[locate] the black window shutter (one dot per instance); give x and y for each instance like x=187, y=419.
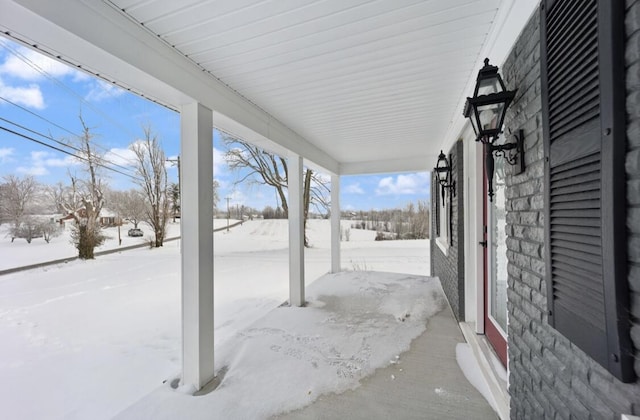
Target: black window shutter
x=450, y=207
x=583, y=102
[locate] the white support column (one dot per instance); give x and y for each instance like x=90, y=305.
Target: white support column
x=196, y=225
x=335, y=223
x=296, y=232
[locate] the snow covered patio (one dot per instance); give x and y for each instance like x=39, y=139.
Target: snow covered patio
x=426, y=383
x=367, y=345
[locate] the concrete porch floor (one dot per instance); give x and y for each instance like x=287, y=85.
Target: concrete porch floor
x=427, y=383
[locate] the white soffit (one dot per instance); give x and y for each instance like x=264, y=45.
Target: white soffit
x=372, y=85
x=365, y=81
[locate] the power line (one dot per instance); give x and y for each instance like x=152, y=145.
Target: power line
x=67, y=152
x=43, y=72
x=55, y=125
x=37, y=68
x=70, y=146
x=16, y=39
x=38, y=116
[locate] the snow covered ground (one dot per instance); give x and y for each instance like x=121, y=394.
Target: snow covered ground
x=20, y=253
x=86, y=339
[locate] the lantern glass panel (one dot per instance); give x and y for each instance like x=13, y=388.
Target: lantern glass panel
x=474, y=124
x=469, y=112
x=489, y=85
x=489, y=115
x=442, y=174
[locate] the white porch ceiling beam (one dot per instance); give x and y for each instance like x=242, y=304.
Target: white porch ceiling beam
x=94, y=34
x=418, y=164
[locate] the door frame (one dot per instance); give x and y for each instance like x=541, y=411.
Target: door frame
x=496, y=337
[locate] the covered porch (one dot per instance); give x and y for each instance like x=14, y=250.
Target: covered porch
x=345, y=87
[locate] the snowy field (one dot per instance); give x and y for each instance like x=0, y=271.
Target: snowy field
x=20, y=253
x=86, y=339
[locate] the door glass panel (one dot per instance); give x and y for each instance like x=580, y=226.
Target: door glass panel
x=498, y=238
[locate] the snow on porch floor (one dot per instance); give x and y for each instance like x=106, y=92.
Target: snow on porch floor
x=368, y=345
x=425, y=384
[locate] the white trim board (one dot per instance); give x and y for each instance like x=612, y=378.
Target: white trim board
x=483, y=354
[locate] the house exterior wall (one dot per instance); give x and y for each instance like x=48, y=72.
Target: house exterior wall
x=450, y=267
x=549, y=377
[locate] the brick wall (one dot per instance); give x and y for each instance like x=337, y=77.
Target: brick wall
x=450, y=268
x=549, y=376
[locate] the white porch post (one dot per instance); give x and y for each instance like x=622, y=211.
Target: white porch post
x=196, y=225
x=296, y=232
x=335, y=223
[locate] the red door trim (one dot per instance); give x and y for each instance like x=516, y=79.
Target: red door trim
x=496, y=339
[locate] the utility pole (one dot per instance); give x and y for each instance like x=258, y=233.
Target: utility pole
x=228, y=212
x=119, y=222
x=177, y=162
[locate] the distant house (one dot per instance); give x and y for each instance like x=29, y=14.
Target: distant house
x=107, y=218
x=63, y=220
x=69, y=217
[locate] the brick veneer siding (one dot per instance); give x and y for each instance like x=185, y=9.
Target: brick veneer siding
x=450, y=268
x=549, y=377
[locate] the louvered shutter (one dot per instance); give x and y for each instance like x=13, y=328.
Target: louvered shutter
x=582, y=69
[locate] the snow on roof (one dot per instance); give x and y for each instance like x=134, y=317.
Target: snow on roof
x=105, y=212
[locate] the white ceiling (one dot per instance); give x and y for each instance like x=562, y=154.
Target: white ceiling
x=361, y=85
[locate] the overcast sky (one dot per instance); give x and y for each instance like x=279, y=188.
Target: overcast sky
x=42, y=99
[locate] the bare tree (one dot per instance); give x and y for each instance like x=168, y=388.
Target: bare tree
x=55, y=194
x=267, y=168
x=216, y=196
x=258, y=166
x=129, y=205
x=84, y=199
x=3, y=194
x=17, y=194
x=50, y=230
x=412, y=222
x=149, y=162
x=28, y=229
x=420, y=221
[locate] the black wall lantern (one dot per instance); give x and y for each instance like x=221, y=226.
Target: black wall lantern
x=443, y=173
x=486, y=111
